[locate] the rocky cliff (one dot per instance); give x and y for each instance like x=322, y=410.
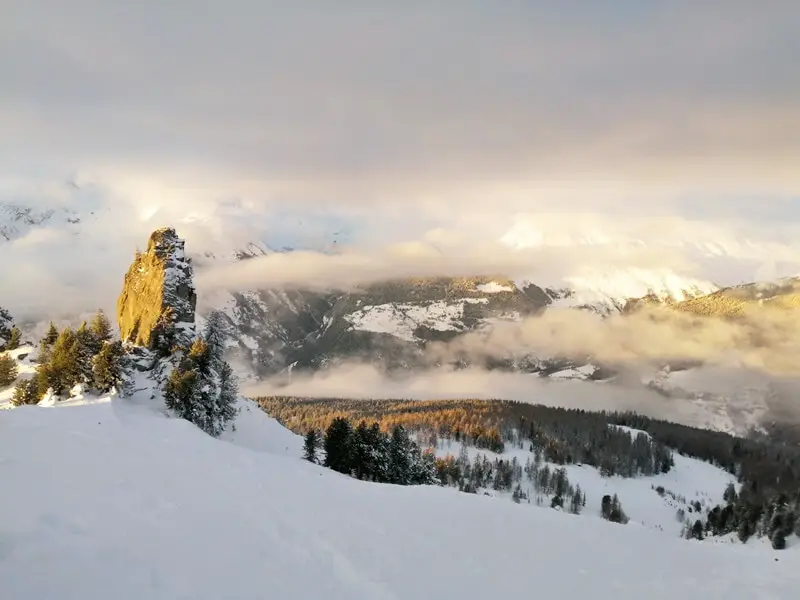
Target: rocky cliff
x=156, y=308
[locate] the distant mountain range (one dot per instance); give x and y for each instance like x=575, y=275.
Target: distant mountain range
x=390, y=324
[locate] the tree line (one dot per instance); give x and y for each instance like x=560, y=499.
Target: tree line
x=564, y=436
x=366, y=452
x=86, y=355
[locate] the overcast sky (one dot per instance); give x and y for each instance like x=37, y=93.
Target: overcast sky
x=392, y=119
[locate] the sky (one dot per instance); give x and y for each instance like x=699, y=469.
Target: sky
x=361, y=124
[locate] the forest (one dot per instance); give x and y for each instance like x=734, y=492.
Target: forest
x=767, y=503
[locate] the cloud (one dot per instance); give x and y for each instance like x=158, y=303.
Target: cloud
x=360, y=381
x=290, y=122
x=766, y=341
x=377, y=108
x=440, y=254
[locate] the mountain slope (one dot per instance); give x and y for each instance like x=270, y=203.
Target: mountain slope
x=117, y=501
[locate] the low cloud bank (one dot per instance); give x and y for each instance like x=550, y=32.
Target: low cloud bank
x=762, y=340
x=361, y=381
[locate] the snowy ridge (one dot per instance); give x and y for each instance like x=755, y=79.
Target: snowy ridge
x=17, y=220
x=609, y=291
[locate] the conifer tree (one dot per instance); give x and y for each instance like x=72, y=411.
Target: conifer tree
x=85, y=350
x=63, y=368
x=26, y=392
x=46, y=344
x=8, y=370
x=424, y=468
x=311, y=445
x=6, y=324
x=107, y=367
x=400, y=456
x=52, y=335
x=100, y=328
x=338, y=446
x=203, y=387
x=14, y=338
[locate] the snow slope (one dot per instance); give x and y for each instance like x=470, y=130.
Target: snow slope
x=688, y=481
x=115, y=501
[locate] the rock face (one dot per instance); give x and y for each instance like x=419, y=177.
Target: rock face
x=156, y=308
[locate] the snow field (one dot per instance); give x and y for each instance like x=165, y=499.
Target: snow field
x=113, y=500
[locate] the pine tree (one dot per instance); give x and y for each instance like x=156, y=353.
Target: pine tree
x=8, y=370
x=362, y=452
x=400, y=456
x=311, y=446
x=52, y=335
x=179, y=392
x=26, y=392
x=424, y=469
x=338, y=444
x=6, y=324
x=203, y=388
x=107, y=367
x=86, y=348
x=214, y=333
x=577, y=501
x=14, y=338
x=63, y=368
x=228, y=396
x=100, y=328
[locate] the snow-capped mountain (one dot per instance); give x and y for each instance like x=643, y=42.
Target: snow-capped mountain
x=389, y=324
x=16, y=220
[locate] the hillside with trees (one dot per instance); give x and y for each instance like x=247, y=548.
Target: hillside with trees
x=767, y=502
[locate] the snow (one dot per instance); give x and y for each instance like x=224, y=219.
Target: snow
x=493, y=288
x=582, y=372
x=25, y=369
x=609, y=290
x=111, y=501
x=401, y=320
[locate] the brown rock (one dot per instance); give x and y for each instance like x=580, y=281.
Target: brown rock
x=156, y=308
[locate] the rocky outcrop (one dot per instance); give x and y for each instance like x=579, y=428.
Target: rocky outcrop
x=156, y=308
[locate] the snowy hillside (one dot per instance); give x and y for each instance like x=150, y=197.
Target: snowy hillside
x=689, y=481
x=114, y=500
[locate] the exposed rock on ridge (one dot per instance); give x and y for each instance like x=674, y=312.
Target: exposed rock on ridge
x=156, y=308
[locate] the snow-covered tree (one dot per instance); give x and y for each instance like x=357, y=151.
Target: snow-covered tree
x=203, y=388
x=6, y=323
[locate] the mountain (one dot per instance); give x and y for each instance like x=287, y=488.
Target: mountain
x=16, y=220
x=391, y=324
x=735, y=301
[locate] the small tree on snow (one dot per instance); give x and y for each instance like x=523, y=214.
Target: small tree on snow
x=26, y=392
x=107, y=367
x=8, y=370
x=311, y=446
